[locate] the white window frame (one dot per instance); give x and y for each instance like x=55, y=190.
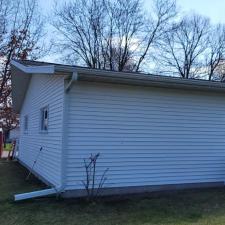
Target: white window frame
x=44, y=122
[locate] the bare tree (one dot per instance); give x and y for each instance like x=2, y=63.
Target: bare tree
x=99, y=33
x=81, y=24
x=111, y=34
x=164, y=11
x=126, y=22
x=215, y=53
x=9, y=119
x=184, y=46
x=20, y=35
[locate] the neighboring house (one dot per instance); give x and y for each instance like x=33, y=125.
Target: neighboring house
x=14, y=134
x=152, y=132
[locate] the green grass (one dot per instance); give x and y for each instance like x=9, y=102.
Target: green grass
x=185, y=207
x=7, y=147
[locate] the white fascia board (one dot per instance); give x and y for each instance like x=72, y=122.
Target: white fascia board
x=34, y=69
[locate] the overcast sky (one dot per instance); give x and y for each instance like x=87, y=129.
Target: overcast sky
x=215, y=9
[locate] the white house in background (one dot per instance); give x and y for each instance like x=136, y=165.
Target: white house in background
x=152, y=132
x=14, y=134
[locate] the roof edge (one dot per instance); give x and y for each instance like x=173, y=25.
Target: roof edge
x=50, y=69
x=133, y=78
x=140, y=78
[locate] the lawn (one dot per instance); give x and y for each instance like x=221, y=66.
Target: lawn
x=7, y=147
x=184, y=207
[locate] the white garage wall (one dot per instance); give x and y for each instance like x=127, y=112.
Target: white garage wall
x=43, y=91
x=146, y=136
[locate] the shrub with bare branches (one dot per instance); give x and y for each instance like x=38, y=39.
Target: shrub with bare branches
x=93, y=182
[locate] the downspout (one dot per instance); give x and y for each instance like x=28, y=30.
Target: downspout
x=35, y=194
x=73, y=78
x=60, y=189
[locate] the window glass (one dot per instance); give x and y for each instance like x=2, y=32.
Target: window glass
x=44, y=119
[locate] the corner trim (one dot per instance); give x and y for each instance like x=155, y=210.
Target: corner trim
x=64, y=136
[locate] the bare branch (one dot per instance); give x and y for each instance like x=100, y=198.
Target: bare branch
x=215, y=54
x=20, y=35
x=184, y=45
x=91, y=185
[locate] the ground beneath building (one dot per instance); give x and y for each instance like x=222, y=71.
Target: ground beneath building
x=199, y=207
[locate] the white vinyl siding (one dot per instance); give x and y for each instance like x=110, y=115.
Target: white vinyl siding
x=25, y=127
x=44, y=90
x=145, y=136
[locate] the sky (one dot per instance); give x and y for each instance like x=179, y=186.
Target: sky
x=215, y=9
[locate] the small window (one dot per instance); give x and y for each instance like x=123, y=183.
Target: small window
x=25, y=124
x=44, y=119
